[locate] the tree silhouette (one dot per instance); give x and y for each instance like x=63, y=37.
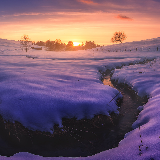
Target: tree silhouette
x=56, y=45
x=90, y=45
x=58, y=41
x=69, y=46
x=25, y=42
x=118, y=37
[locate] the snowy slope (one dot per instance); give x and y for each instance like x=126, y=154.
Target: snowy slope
x=144, y=45
x=38, y=88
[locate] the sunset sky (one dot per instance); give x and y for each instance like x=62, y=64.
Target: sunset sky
x=79, y=20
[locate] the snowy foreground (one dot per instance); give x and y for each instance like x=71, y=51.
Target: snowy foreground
x=39, y=88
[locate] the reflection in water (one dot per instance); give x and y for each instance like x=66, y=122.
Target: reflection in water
x=128, y=109
x=107, y=81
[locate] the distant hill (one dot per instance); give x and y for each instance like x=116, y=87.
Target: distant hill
x=4, y=44
x=145, y=45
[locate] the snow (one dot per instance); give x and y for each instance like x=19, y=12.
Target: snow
x=39, y=88
x=39, y=93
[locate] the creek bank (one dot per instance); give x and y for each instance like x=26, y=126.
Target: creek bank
x=77, y=138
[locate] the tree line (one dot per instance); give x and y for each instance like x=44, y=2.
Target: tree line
x=57, y=45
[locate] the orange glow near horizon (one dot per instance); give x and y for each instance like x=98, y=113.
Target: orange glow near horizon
x=76, y=43
x=81, y=27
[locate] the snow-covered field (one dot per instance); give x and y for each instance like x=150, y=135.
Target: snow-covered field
x=39, y=88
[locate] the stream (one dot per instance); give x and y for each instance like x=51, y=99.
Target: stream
x=128, y=111
x=77, y=138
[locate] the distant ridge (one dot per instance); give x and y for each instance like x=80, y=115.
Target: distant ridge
x=9, y=44
x=143, y=45
x=138, y=42
x=7, y=40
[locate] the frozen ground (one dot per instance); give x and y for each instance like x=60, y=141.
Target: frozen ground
x=39, y=88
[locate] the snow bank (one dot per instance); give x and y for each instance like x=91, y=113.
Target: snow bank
x=144, y=79
x=39, y=94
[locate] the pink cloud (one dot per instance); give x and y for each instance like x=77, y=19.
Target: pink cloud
x=88, y=2
x=123, y=17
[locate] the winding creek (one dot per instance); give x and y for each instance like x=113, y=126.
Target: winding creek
x=77, y=138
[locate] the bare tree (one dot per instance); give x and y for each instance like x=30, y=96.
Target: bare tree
x=25, y=42
x=118, y=37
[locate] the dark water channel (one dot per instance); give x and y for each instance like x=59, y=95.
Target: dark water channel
x=77, y=137
x=128, y=111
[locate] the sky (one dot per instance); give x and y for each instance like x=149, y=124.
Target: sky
x=79, y=20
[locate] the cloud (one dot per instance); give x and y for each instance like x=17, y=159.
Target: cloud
x=123, y=17
x=30, y=7
x=156, y=0
x=88, y=2
x=43, y=6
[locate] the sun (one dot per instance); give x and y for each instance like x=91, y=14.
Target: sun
x=76, y=43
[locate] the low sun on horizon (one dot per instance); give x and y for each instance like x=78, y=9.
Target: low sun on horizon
x=76, y=43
